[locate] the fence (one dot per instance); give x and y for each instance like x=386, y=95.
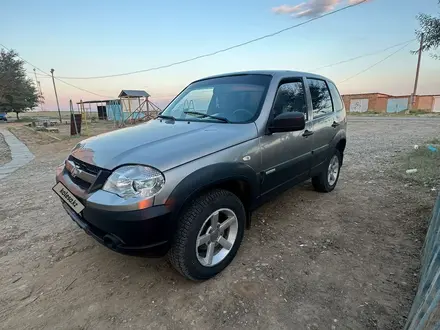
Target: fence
x=425, y=311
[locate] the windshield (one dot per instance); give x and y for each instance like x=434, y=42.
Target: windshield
x=233, y=99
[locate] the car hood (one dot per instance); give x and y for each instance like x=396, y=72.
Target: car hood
x=161, y=144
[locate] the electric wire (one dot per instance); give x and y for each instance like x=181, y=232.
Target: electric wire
x=362, y=56
x=375, y=64
x=220, y=50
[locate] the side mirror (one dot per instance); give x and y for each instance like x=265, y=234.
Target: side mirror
x=288, y=122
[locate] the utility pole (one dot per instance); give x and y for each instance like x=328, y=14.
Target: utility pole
x=56, y=95
x=416, y=82
x=39, y=88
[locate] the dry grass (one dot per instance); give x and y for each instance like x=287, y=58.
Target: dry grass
x=411, y=113
x=426, y=162
x=36, y=115
x=91, y=129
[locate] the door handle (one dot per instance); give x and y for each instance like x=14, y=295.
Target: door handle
x=308, y=133
x=335, y=124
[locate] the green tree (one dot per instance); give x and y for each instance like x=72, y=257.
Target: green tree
x=430, y=27
x=17, y=92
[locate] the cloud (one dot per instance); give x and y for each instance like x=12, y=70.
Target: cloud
x=286, y=9
x=312, y=8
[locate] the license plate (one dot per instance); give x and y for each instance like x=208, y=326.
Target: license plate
x=68, y=197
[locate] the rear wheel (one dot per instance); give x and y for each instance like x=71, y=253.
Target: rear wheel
x=208, y=236
x=326, y=181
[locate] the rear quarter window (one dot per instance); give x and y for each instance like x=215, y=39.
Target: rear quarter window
x=321, y=98
x=338, y=105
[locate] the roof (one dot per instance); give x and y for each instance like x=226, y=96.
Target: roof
x=96, y=101
x=133, y=93
x=388, y=95
x=274, y=73
x=365, y=94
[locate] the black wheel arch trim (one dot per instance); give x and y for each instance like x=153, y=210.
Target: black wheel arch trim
x=211, y=176
x=341, y=135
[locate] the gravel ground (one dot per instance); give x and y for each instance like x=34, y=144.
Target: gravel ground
x=5, y=153
x=344, y=260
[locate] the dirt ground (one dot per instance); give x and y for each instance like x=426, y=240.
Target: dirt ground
x=344, y=260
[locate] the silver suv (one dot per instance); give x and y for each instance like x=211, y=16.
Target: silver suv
x=187, y=182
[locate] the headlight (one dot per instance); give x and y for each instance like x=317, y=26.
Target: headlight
x=135, y=181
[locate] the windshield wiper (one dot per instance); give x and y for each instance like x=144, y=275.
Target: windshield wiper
x=166, y=117
x=204, y=115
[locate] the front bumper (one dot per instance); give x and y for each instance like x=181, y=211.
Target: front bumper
x=121, y=228
x=130, y=232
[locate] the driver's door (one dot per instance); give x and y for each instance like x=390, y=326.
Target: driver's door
x=286, y=157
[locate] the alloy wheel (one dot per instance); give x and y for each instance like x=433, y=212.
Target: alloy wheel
x=216, y=237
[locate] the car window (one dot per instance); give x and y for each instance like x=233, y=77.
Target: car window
x=196, y=100
x=337, y=99
x=321, y=100
x=237, y=98
x=290, y=97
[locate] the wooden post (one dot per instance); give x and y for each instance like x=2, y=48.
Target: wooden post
x=416, y=82
x=72, y=117
x=56, y=95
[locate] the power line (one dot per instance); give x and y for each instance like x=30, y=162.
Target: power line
x=362, y=56
x=84, y=90
x=40, y=76
x=190, y=59
x=64, y=82
x=221, y=50
x=377, y=63
x=31, y=72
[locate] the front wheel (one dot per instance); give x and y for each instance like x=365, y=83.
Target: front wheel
x=326, y=181
x=208, y=235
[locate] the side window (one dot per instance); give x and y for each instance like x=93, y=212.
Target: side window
x=321, y=100
x=290, y=97
x=337, y=99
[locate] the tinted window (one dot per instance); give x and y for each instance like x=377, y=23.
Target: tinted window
x=321, y=100
x=337, y=100
x=290, y=97
x=236, y=98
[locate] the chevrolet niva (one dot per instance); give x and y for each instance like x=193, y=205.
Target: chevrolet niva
x=187, y=182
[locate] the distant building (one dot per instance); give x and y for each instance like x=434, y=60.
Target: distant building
x=380, y=102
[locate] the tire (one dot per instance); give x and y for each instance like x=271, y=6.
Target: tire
x=194, y=226
x=322, y=182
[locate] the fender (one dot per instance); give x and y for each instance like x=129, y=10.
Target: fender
x=341, y=135
x=212, y=175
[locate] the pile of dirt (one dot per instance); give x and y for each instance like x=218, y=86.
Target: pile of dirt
x=5, y=152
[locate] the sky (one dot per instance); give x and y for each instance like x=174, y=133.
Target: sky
x=91, y=38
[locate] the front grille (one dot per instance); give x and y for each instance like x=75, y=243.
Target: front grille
x=79, y=182
x=92, y=169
